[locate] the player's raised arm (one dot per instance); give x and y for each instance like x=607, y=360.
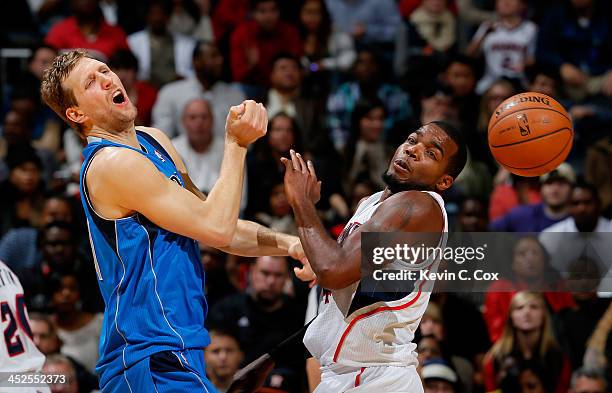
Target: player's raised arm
x=127, y=179
x=339, y=265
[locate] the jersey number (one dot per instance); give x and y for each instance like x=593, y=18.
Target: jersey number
x=14, y=346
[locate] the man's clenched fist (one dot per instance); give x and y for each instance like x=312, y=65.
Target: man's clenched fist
x=246, y=122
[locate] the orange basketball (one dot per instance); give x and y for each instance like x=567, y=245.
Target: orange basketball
x=530, y=134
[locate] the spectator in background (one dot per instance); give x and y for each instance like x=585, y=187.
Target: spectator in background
x=438, y=377
x=142, y=94
x=565, y=241
x=207, y=83
x=527, y=336
x=365, y=155
x=264, y=163
x=508, y=44
x=204, y=28
x=254, y=44
x=511, y=191
x=477, y=144
x=587, y=380
x=79, y=330
x=45, y=337
x=423, y=43
x=21, y=195
x=61, y=365
x=218, y=283
x=223, y=357
x=556, y=187
x=58, y=248
x=183, y=17
x=473, y=215
x=278, y=215
x=532, y=379
x=226, y=16
x=368, y=84
x=367, y=21
x=17, y=134
x=286, y=95
x=597, y=172
x=264, y=315
x=327, y=52
x=530, y=270
x=47, y=127
x=18, y=247
x=575, y=38
x=162, y=56
x=87, y=29
x=460, y=76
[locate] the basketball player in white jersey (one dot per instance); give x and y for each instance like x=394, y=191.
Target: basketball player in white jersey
x=364, y=343
x=18, y=353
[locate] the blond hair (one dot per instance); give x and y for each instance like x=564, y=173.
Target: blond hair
x=52, y=90
x=505, y=345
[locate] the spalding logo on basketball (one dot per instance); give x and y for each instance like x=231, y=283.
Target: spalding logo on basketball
x=530, y=134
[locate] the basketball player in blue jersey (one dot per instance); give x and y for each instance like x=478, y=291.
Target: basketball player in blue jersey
x=144, y=216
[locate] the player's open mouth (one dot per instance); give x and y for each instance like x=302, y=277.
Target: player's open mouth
x=402, y=165
x=119, y=97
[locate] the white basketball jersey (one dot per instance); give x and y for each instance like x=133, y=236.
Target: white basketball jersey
x=377, y=334
x=18, y=353
x=505, y=51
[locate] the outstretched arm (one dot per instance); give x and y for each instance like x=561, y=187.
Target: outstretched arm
x=250, y=239
x=339, y=265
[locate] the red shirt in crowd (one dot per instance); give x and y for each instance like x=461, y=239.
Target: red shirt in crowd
x=227, y=15
x=66, y=34
x=265, y=45
x=147, y=95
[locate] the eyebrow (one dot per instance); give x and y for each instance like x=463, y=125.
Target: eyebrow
x=435, y=143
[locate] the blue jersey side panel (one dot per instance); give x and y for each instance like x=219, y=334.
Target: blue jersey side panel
x=152, y=280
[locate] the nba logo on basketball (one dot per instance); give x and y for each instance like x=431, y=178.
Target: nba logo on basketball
x=523, y=124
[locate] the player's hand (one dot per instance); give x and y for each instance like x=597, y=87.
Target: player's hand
x=300, y=180
x=304, y=273
x=246, y=123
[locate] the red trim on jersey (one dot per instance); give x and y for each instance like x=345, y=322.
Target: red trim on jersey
x=372, y=312
x=358, y=377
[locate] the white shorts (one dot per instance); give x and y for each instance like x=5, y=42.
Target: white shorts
x=382, y=379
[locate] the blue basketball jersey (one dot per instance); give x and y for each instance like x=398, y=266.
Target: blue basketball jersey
x=151, y=279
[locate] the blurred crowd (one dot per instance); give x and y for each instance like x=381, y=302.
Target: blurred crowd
x=343, y=81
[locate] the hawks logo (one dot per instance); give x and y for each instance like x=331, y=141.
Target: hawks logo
x=523, y=124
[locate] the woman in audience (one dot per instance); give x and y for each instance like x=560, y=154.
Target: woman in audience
x=365, y=155
x=527, y=337
x=79, y=330
x=530, y=270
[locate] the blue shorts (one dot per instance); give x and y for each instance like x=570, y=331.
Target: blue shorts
x=164, y=372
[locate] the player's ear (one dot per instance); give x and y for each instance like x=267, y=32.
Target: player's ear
x=444, y=183
x=75, y=115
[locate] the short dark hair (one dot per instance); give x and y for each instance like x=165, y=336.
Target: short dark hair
x=581, y=183
x=197, y=49
x=256, y=3
x=123, y=59
x=285, y=56
x=457, y=162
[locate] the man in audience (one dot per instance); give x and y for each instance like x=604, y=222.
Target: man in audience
x=566, y=240
x=586, y=380
x=264, y=315
x=44, y=334
x=162, y=56
x=285, y=96
x=223, y=357
x=207, y=83
x=555, y=190
x=438, y=377
x=61, y=365
x=255, y=42
x=87, y=29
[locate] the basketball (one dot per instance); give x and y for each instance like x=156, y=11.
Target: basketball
x=530, y=134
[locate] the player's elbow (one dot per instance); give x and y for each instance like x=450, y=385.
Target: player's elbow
x=329, y=278
x=219, y=236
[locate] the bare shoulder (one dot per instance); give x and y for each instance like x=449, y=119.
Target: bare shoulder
x=411, y=211
x=113, y=162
